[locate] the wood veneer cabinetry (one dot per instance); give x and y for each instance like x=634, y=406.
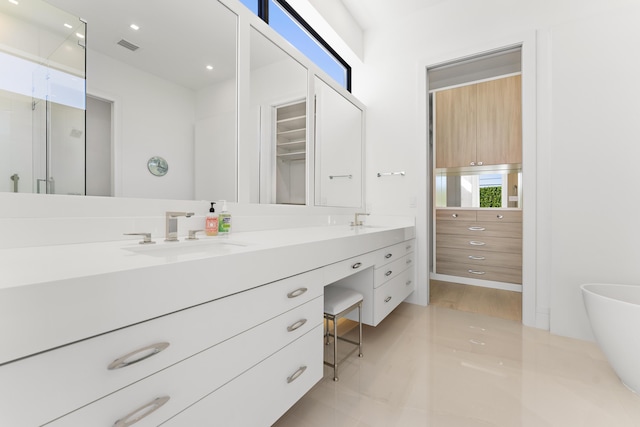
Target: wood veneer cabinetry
x=479, y=124
x=481, y=244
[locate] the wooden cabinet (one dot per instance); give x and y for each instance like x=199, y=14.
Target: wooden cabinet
x=482, y=244
x=479, y=124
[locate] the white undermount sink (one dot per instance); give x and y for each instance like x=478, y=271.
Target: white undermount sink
x=186, y=247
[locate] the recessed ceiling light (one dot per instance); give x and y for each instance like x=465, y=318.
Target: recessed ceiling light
x=80, y=36
x=134, y=27
x=68, y=25
x=209, y=67
x=13, y=1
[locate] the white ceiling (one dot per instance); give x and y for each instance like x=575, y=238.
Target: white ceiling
x=372, y=13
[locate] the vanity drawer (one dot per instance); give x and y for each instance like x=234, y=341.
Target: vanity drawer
x=496, y=244
x=455, y=215
x=270, y=387
x=487, y=272
x=392, y=253
x=193, y=379
x=388, y=296
x=480, y=229
x=342, y=269
x=83, y=366
x=391, y=270
x=501, y=216
x=478, y=258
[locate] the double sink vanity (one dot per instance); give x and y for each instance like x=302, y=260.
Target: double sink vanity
x=224, y=329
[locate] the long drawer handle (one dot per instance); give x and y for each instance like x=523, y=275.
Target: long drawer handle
x=479, y=273
x=388, y=273
x=356, y=265
x=408, y=282
x=477, y=228
x=144, y=352
x=476, y=243
x=297, y=292
x=477, y=258
x=136, y=415
x=296, y=325
x=387, y=299
x=387, y=256
x=296, y=374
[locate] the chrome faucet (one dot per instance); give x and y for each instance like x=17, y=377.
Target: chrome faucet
x=356, y=222
x=171, y=234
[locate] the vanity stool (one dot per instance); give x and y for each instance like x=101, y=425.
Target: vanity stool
x=338, y=302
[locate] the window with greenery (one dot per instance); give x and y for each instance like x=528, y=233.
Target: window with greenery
x=290, y=25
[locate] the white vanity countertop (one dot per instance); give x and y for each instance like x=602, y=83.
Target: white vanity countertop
x=54, y=295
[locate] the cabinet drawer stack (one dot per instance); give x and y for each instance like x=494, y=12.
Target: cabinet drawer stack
x=481, y=244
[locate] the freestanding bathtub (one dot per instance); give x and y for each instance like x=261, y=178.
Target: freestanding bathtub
x=614, y=313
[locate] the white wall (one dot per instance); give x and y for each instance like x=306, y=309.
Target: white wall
x=153, y=117
x=587, y=94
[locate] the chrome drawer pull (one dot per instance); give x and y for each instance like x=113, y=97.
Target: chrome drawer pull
x=387, y=299
x=145, y=353
x=479, y=273
x=388, y=273
x=409, y=261
x=499, y=216
x=477, y=228
x=477, y=258
x=296, y=374
x=356, y=265
x=296, y=325
x=408, y=247
x=408, y=283
x=297, y=292
x=138, y=414
x=454, y=215
x=475, y=243
x=387, y=256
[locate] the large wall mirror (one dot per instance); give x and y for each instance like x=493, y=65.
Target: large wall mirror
x=279, y=140
x=161, y=81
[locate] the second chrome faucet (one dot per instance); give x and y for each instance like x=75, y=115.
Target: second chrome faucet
x=171, y=227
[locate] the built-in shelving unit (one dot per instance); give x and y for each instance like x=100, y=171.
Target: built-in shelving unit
x=291, y=152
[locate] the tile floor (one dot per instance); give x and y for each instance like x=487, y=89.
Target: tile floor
x=437, y=367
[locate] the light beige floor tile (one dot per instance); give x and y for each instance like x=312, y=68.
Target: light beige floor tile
x=436, y=367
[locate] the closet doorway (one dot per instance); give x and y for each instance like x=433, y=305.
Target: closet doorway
x=475, y=137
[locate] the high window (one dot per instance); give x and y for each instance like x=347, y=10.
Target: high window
x=286, y=21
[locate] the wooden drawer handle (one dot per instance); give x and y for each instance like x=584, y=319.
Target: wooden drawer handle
x=477, y=228
x=143, y=353
x=356, y=265
x=388, y=273
x=297, y=292
x=479, y=273
x=296, y=374
x=296, y=325
x=136, y=415
x=387, y=256
x=476, y=243
x=387, y=299
x=477, y=258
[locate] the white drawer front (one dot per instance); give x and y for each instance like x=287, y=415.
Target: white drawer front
x=83, y=367
x=342, y=269
x=391, y=294
x=392, y=253
x=188, y=381
x=391, y=270
x=261, y=395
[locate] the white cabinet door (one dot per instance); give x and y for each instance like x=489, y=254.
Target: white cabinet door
x=339, y=147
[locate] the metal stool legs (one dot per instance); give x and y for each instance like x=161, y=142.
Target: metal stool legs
x=334, y=318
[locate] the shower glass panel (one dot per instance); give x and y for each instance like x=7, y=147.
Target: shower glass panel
x=42, y=99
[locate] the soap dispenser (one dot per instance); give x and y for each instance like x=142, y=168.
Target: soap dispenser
x=211, y=222
x=224, y=220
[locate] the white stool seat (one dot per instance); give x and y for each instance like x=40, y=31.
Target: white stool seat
x=337, y=300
